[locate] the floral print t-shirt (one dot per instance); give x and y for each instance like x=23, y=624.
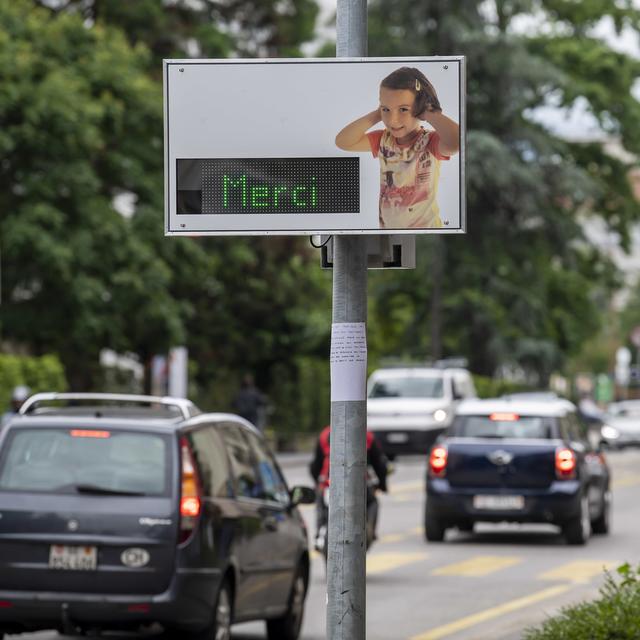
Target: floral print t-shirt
x=409, y=176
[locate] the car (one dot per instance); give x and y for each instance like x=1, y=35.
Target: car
x=621, y=425
x=119, y=512
x=409, y=407
x=517, y=461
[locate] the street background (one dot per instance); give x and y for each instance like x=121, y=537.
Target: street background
x=489, y=584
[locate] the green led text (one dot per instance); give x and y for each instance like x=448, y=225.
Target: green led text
x=238, y=191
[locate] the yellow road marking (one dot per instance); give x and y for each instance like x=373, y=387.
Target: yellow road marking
x=406, y=487
x=489, y=614
x=381, y=562
x=393, y=537
x=626, y=481
x=477, y=566
x=578, y=571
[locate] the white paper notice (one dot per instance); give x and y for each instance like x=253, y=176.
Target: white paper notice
x=348, y=361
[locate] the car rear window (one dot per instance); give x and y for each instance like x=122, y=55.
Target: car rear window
x=73, y=460
x=409, y=387
x=508, y=426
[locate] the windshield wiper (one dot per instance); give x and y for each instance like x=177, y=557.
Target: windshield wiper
x=105, y=491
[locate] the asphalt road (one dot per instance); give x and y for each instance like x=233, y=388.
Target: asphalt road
x=487, y=585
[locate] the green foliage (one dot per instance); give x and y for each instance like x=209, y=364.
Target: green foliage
x=209, y=28
x=492, y=388
x=81, y=123
x=81, y=126
x=615, y=615
x=44, y=373
x=524, y=289
x=301, y=399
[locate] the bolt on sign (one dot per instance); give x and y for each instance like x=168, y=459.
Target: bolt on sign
x=314, y=146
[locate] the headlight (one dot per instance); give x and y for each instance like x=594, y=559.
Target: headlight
x=609, y=432
x=440, y=415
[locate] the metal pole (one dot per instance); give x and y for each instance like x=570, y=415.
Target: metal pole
x=346, y=569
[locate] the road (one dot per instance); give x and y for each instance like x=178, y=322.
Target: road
x=489, y=584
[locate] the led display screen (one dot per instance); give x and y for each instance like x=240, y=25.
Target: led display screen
x=268, y=186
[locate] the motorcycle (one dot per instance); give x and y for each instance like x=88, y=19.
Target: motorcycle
x=322, y=513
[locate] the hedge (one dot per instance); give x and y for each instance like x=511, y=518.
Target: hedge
x=615, y=615
x=44, y=373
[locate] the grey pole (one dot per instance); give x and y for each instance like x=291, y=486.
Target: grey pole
x=346, y=569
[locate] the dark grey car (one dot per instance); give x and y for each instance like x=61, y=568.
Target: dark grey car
x=118, y=516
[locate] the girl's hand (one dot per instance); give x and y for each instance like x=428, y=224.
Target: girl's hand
x=427, y=100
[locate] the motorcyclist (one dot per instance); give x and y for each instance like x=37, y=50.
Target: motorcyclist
x=319, y=469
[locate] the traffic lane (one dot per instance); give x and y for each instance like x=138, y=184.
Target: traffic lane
x=399, y=522
x=407, y=598
x=537, y=581
x=548, y=573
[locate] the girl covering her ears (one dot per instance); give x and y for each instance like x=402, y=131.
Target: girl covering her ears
x=409, y=154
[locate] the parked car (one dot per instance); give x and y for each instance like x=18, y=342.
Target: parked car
x=409, y=407
x=517, y=461
x=122, y=511
x=621, y=425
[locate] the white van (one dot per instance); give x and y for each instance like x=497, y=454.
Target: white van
x=409, y=407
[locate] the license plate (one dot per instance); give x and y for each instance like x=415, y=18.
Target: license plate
x=499, y=503
x=73, y=558
x=397, y=437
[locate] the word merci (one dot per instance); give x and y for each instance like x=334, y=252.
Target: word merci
x=258, y=196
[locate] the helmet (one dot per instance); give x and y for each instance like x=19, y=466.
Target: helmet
x=20, y=393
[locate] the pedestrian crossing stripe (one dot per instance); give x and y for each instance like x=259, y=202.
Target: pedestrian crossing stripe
x=579, y=571
x=477, y=566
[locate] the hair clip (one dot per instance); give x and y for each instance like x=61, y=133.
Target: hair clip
x=418, y=86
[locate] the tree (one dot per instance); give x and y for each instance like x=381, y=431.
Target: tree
x=81, y=120
x=80, y=124
x=524, y=284
x=208, y=28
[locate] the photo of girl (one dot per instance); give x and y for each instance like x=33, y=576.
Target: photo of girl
x=409, y=154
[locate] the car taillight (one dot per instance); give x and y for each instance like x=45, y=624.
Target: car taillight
x=565, y=463
x=190, y=501
x=438, y=461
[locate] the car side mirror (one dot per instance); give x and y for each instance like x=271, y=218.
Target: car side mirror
x=302, y=495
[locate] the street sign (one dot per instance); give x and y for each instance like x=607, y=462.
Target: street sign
x=250, y=148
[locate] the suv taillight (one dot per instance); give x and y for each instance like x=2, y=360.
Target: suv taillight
x=438, y=461
x=190, y=501
x=565, y=463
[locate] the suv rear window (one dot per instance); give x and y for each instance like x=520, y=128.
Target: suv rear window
x=410, y=387
x=71, y=460
x=513, y=427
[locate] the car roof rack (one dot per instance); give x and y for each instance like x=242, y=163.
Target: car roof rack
x=185, y=407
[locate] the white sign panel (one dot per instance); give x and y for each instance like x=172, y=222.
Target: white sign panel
x=314, y=146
